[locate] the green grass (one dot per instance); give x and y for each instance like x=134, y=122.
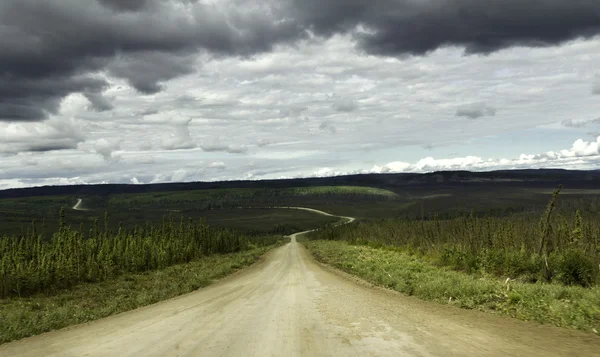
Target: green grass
x=564, y=306
x=340, y=190
x=22, y=317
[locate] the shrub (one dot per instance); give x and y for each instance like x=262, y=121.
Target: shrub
x=30, y=265
x=575, y=268
x=561, y=248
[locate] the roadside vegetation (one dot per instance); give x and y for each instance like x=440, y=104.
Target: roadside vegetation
x=565, y=306
x=552, y=248
x=32, y=315
x=79, y=275
x=29, y=264
x=543, y=267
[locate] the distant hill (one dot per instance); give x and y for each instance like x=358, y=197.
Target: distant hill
x=538, y=178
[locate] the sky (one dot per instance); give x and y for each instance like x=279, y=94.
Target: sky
x=147, y=91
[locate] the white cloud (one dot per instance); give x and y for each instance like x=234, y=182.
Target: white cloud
x=181, y=176
x=279, y=109
x=396, y=166
x=145, y=146
x=345, y=105
x=326, y=171
x=107, y=149
x=581, y=155
x=180, y=137
x=589, y=151
x=145, y=160
x=264, y=142
x=581, y=148
x=231, y=148
x=570, y=123
x=326, y=125
x=596, y=86
x=53, y=134
x=220, y=165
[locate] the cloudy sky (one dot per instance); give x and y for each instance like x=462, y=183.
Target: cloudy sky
x=141, y=91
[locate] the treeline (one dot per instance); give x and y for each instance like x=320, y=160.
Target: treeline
x=224, y=199
x=31, y=264
x=452, y=213
x=554, y=247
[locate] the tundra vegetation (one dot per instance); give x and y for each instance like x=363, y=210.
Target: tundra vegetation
x=220, y=207
x=541, y=267
x=79, y=275
x=486, y=246
x=55, y=274
x=30, y=264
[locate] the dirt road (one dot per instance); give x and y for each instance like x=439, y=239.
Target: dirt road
x=289, y=305
x=345, y=220
x=77, y=206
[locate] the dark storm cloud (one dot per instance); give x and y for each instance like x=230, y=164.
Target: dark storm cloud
x=146, y=70
x=25, y=98
x=148, y=42
x=475, y=110
x=145, y=42
x=42, y=147
x=397, y=27
x=125, y=5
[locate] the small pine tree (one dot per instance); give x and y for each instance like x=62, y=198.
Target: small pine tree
x=62, y=223
x=577, y=234
x=545, y=221
x=106, y=225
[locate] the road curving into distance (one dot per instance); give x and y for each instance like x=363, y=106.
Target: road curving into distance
x=77, y=206
x=343, y=219
x=289, y=305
